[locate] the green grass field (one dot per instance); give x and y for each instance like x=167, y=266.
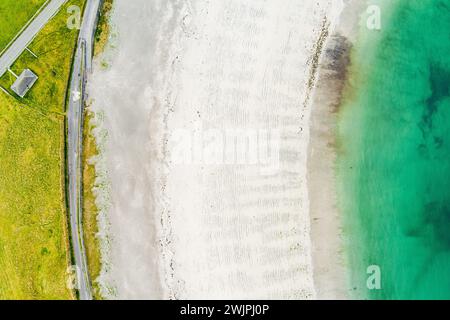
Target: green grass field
x=34, y=253
x=14, y=14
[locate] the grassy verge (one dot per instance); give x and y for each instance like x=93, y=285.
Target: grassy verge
x=90, y=210
x=14, y=14
x=103, y=29
x=34, y=245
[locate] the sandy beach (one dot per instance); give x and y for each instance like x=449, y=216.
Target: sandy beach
x=209, y=186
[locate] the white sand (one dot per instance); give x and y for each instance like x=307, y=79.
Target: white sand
x=186, y=228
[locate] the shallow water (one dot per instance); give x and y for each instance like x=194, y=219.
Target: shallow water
x=393, y=154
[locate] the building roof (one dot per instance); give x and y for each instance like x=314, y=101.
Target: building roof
x=24, y=82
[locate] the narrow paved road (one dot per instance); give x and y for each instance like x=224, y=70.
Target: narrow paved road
x=81, y=66
x=23, y=40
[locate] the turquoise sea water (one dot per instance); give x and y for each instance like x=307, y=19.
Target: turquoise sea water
x=394, y=153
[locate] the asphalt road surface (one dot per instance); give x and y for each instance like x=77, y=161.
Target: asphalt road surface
x=81, y=66
x=24, y=39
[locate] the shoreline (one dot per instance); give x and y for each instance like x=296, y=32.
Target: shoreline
x=331, y=272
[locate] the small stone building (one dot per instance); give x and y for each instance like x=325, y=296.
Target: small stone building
x=24, y=82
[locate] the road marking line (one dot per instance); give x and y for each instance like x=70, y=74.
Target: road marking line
x=34, y=55
x=17, y=47
x=5, y=91
x=76, y=95
x=12, y=72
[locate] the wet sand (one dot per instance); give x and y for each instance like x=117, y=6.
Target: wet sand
x=329, y=256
